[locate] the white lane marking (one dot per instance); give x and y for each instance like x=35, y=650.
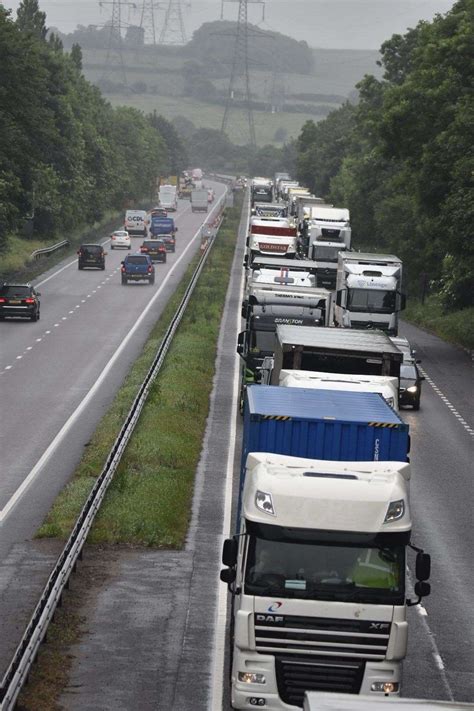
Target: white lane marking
x=8, y=367
x=446, y=401
x=30, y=348
x=72, y=311
x=19, y=357
x=220, y=622
x=56, y=325
x=64, y=318
x=47, y=331
x=14, y=499
x=435, y=651
x=38, y=340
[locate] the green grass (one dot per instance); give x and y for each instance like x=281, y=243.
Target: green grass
x=149, y=500
x=15, y=262
x=456, y=327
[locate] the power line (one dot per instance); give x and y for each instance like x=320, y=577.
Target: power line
x=240, y=68
x=147, y=20
x=114, y=57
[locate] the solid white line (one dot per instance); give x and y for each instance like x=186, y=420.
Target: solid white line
x=14, y=499
x=217, y=671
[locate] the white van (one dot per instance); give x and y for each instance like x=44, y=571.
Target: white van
x=135, y=223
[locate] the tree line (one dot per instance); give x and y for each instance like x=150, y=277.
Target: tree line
x=66, y=156
x=402, y=159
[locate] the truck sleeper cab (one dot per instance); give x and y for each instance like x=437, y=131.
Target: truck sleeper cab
x=317, y=576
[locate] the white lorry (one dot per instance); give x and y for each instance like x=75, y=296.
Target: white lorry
x=168, y=197
x=275, y=236
x=385, y=385
x=322, y=701
x=318, y=582
x=199, y=202
x=368, y=291
x=325, y=233
x=136, y=223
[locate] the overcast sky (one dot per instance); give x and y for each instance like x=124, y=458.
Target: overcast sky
x=350, y=24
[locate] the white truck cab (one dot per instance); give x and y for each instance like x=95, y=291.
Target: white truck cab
x=385, y=385
x=275, y=236
x=317, y=576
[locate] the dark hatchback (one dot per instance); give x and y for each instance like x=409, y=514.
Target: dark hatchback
x=19, y=300
x=155, y=248
x=91, y=255
x=410, y=385
x=169, y=241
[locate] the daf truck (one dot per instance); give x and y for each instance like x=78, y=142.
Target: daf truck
x=368, y=291
x=261, y=190
x=317, y=575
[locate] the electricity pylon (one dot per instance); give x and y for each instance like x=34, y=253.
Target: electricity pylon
x=173, y=31
x=240, y=68
x=114, y=55
x=147, y=20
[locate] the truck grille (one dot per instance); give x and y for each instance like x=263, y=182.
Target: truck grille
x=380, y=325
x=319, y=654
x=298, y=674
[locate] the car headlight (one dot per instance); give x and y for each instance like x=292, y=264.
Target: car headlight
x=412, y=389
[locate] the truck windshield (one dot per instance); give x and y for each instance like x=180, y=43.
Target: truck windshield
x=321, y=571
x=326, y=254
x=262, y=341
x=371, y=300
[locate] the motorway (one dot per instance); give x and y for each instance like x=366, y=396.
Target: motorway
x=170, y=650
x=156, y=620
x=57, y=378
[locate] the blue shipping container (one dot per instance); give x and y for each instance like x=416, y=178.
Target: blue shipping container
x=322, y=424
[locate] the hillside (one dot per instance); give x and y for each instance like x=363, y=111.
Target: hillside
x=290, y=83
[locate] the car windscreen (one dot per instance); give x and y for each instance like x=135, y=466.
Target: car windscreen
x=11, y=291
x=91, y=248
x=137, y=260
x=153, y=244
x=408, y=372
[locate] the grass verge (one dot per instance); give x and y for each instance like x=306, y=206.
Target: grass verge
x=149, y=500
x=15, y=263
x=456, y=327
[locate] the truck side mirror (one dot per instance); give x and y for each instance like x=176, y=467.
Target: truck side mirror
x=227, y=575
x=423, y=566
x=229, y=552
x=246, y=261
x=403, y=301
x=422, y=589
x=247, y=241
x=245, y=309
x=241, y=342
x=339, y=294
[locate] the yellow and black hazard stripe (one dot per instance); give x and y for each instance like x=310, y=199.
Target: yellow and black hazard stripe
x=276, y=417
x=390, y=425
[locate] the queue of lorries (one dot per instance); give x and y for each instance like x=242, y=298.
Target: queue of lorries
x=317, y=567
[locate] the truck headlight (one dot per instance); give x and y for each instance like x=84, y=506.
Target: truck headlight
x=251, y=678
x=386, y=687
x=396, y=510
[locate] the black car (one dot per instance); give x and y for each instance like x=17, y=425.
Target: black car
x=169, y=241
x=91, y=255
x=19, y=300
x=410, y=385
x=155, y=248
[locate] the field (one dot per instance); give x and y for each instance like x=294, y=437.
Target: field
x=156, y=83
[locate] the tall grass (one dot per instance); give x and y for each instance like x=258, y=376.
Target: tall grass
x=456, y=327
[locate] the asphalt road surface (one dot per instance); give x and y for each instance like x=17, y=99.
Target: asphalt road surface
x=57, y=378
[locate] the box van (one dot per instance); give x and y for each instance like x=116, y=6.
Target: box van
x=135, y=223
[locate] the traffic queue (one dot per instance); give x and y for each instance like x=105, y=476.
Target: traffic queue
x=316, y=566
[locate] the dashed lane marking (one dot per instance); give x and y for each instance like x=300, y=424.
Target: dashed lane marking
x=446, y=401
